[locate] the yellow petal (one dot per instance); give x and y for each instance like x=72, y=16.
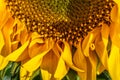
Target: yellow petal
x=24, y=74
x=61, y=70
x=2, y=8
x=65, y=62
x=114, y=13
x=1, y=41
x=66, y=54
x=15, y=54
x=3, y=62
x=114, y=63
x=67, y=57
x=115, y=33
x=20, y=27
x=88, y=40
x=36, y=48
x=100, y=68
x=6, y=31
x=49, y=62
x=45, y=74
x=24, y=56
x=91, y=66
x=118, y=12
x=80, y=62
x=3, y=13
x=14, y=45
x=35, y=62
x=86, y=43
x=35, y=35
x=37, y=40
x=56, y=51
x=26, y=36
x=101, y=43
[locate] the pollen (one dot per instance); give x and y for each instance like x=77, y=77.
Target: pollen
x=61, y=19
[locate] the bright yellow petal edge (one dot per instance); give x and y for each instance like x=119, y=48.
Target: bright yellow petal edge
x=89, y=59
x=114, y=58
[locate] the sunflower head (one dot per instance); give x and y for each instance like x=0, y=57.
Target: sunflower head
x=49, y=27
x=61, y=19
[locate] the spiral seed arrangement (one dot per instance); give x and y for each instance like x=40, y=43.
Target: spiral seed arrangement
x=61, y=19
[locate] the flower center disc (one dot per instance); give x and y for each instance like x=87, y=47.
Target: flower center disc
x=61, y=19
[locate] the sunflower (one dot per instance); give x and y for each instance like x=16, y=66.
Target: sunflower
x=59, y=37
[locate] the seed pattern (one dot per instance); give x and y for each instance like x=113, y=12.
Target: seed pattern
x=61, y=19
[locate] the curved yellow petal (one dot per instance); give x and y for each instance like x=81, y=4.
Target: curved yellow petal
x=49, y=62
x=80, y=62
x=88, y=40
x=14, y=45
x=3, y=62
x=101, y=44
x=65, y=61
x=36, y=38
x=92, y=62
x=24, y=56
x=26, y=36
x=114, y=58
x=114, y=13
x=115, y=33
x=45, y=74
x=24, y=74
x=2, y=8
x=1, y=41
x=56, y=51
x=35, y=62
x=86, y=43
x=67, y=57
x=61, y=70
x=66, y=54
x=15, y=54
x=35, y=48
x=114, y=62
x=6, y=31
x=3, y=13
x=114, y=27
x=118, y=12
